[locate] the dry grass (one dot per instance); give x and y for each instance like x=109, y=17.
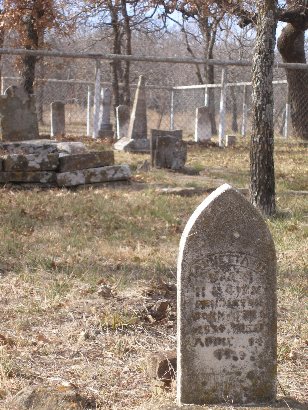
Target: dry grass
x=80, y=271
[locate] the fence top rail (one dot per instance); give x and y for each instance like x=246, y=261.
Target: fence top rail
x=149, y=59
x=205, y=86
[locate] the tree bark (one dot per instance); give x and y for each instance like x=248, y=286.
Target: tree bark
x=262, y=139
x=291, y=45
x=128, y=51
x=29, y=62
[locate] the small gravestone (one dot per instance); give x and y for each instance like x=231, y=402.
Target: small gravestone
x=105, y=127
x=203, y=126
x=57, y=119
x=136, y=139
x=155, y=134
x=18, y=120
x=123, y=115
x=168, y=150
x=230, y=140
x=227, y=304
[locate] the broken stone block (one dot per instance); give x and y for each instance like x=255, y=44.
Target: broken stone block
x=94, y=175
x=133, y=145
x=43, y=177
x=31, y=162
x=77, y=162
x=162, y=366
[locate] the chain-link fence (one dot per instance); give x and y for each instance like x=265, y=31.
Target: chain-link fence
x=172, y=96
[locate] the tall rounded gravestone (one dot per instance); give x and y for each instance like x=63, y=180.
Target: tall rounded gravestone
x=226, y=304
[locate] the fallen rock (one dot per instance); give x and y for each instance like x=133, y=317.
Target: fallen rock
x=160, y=310
x=62, y=397
x=87, y=160
x=94, y=175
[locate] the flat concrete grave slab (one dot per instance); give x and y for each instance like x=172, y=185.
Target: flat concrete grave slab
x=226, y=304
x=87, y=160
x=42, y=146
x=94, y=175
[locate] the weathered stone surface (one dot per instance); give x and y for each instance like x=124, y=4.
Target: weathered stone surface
x=31, y=162
x=230, y=140
x=203, y=126
x=76, y=162
x=43, y=177
x=226, y=304
x=105, y=127
x=94, y=175
x=42, y=146
x=18, y=120
x=170, y=152
x=123, y=116
x=71, y=147
x=137, y=128
x=133, y=145
x=155, y=134
x=57, y=119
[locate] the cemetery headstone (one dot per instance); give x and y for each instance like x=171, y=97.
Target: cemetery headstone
x=123, y=115
x=168, y=150
x=203, y=126
x=57, y=119
x=227, y=304
x=136, y=140
x=105, y=127
x=18, y=120
x=230, y=140
x=155, y=134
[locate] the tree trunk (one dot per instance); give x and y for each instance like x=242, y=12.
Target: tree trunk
x=291, y=45
x=209, y=32
x=115, y=65
x=28, y=69
x=262, y=139
x=128, y=51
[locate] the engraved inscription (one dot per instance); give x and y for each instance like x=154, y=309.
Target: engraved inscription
x=226, y=302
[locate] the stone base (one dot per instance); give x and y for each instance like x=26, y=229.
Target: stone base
x=76, y=162
x=133, y=145
x=106, y=134
x=42, y=177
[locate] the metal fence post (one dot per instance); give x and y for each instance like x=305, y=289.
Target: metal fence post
x=97, y=99
x=222, y=109
x=244, y=114
x=172, y=111
x=89, y=112
x=287, y=117
x=206, y=97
